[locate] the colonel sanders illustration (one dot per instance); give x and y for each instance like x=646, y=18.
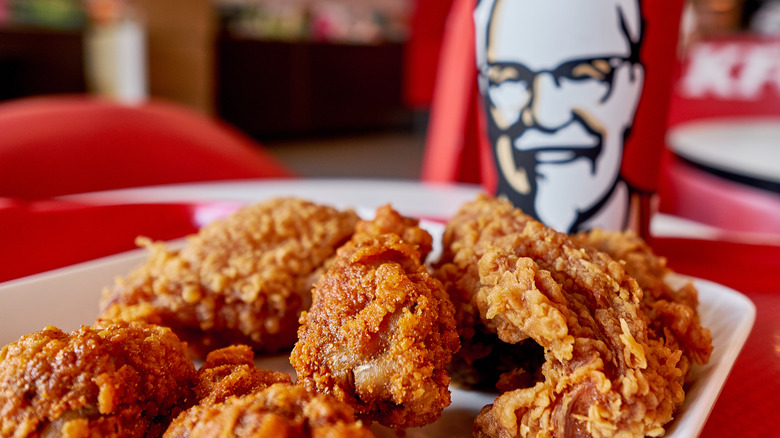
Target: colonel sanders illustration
x=561, y=80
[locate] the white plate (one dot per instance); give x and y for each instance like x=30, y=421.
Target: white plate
x=68, y=297
x=742, y=147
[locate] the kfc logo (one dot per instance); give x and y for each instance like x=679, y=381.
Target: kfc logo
x=561, y=81
x=732, y=70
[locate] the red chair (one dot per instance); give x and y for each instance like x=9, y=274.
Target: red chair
x=51, y=146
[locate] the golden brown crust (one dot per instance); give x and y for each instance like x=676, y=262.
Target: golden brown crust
x=483, y=357
x=113, y=379
x=379, y=334
x=241, y=280
x=231, y=371
x=387, y=220
x=604, y=372
x=672, y=311
x=601, y=376
x=281, y=409
x=235, y=398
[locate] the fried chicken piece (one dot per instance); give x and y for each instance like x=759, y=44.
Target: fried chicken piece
x=483, y=358
x=281, y=409
x=110, y=380
x=231, y=371
x=379, y=334
x=241, y=280
x=238, y=399
x=672, y=311
x=387, y=220
x=604, y=373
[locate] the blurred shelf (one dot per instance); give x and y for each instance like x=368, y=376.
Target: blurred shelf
x=37, y=60
x=268, y=89
x=275, y=88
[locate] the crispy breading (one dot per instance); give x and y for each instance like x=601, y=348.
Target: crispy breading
x=279, y=410
x=231, y=371
x=605, y=373
x=111, y=380
x=241, y=280
x=235, y=398
x=672, y=311
x=387, y=220
x=379, y=334
x=483, y=358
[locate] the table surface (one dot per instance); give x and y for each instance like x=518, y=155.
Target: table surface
x=747, y=406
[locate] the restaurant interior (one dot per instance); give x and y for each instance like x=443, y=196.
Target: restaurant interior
x=351, y=90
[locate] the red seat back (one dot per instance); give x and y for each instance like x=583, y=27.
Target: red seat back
x=52, y=146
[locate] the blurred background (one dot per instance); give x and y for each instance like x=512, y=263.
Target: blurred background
x=311, y=79
x=331, y=87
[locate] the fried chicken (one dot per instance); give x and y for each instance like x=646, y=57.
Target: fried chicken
x=380, y=331
x=387, y=220
x=605, y=373
x=241, y=280
x=672, y=312
x=281, y=409
x=483, y=358
x=231, y=371
x=110, y=380
x=238, y=399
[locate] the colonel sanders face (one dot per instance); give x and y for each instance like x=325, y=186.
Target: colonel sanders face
x=561, y=81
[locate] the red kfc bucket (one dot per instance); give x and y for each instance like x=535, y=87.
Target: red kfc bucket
x=575, y=96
